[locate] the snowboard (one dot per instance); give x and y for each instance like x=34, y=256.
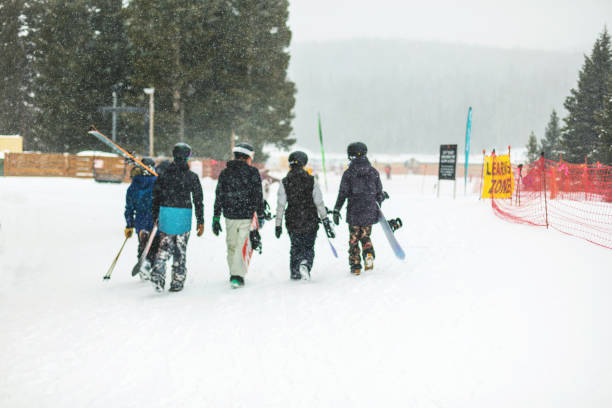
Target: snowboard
x=247, y=248
x=333, y=249
x=397, y=249
x=145, y=251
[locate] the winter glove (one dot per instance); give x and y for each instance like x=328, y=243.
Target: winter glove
x=336, y=216
x=129, y=232
x=278, y=231
x=200, y=229
x=385, y=196
x=328, y=228
x=216, y=227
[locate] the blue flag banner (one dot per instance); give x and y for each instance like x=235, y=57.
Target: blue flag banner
x=468, y=131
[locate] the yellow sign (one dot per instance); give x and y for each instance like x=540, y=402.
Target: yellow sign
x=498, y=178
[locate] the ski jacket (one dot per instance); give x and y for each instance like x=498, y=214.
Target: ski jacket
x=175, y=188
x=138, y=203
x=301, y=194
x=239, y=193
x=361, y=185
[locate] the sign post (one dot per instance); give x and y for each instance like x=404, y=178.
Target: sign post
x=447, y=166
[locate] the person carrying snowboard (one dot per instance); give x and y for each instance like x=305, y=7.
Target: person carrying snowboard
x=172, y=202
x=138, y=214
x=299, y=192
x=362, y=187
x=238, y=196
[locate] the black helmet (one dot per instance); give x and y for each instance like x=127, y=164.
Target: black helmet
x=298, y=159
x=357, y=149
x=181, y=152
x=244, y=149
x=149, y=162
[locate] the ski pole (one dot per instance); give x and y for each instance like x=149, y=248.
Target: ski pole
x=112, y=267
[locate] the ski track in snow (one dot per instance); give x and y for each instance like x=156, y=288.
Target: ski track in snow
x=481, y=313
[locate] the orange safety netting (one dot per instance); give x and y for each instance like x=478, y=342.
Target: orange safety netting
x=575, y=199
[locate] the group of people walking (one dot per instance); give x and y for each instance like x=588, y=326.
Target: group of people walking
x=167, y=201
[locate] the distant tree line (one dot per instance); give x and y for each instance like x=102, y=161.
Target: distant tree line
x=218, y=68
x=587, y=133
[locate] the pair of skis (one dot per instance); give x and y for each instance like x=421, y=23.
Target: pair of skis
x=118, y=149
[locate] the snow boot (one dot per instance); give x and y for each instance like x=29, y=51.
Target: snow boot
x=145, y=271
x=175, y=287
x=158, y=285
x=304, y=271
x=236, y=281
x=295, y=275
x=369, y=262
x=356, y=271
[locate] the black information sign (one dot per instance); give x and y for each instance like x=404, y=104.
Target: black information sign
x=448, y=162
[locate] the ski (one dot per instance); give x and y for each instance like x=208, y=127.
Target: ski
x=118, y=149
x=397, y=249
x=112, y=267
x=145, y=251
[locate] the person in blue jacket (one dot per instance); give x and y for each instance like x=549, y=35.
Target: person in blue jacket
x=139, y=215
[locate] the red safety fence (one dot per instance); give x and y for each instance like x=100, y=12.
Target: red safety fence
x=575, y=199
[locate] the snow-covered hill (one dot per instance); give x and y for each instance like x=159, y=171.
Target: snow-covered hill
x=482, y=313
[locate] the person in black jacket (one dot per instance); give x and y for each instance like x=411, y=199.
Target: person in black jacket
x=238, y=196
x=361, y=185
x=300, y=193
x=172, y=203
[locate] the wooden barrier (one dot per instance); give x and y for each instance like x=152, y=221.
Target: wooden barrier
x=64, y=165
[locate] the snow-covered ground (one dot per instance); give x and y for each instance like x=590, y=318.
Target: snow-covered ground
x=482, y=313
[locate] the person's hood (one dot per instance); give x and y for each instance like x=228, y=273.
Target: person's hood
x=236, y=163
x=143, y=182
x=360, y=165
x=176, y=166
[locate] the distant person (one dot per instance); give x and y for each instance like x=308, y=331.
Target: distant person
x=238, y=196
x=299, y=192
x=139, y=213
x=173, y=193
x=361, y=186
x=388, y=171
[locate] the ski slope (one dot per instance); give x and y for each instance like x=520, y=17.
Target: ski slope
x=482, y=313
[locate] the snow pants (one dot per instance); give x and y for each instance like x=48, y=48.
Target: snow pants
x=359, y=235
x=143, y=237
x=174, y=246
x=302, y=249
x=236, y=232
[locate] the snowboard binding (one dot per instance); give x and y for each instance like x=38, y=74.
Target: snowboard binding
x=255, y=241
x=395, y=224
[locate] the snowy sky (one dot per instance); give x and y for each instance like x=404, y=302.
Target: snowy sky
x=534, y=24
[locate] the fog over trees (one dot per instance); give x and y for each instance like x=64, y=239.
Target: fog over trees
x=405, y=96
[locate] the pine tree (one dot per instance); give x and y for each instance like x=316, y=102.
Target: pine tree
x=532, y=148
x=585, y=102
x=604, y=128
x=15, y=70
x=78, y=63
x=550, y=144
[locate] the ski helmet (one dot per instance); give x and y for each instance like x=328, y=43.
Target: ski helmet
x=181, y=152
x=298, y=159
x=357, y=149
x=244, y=149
